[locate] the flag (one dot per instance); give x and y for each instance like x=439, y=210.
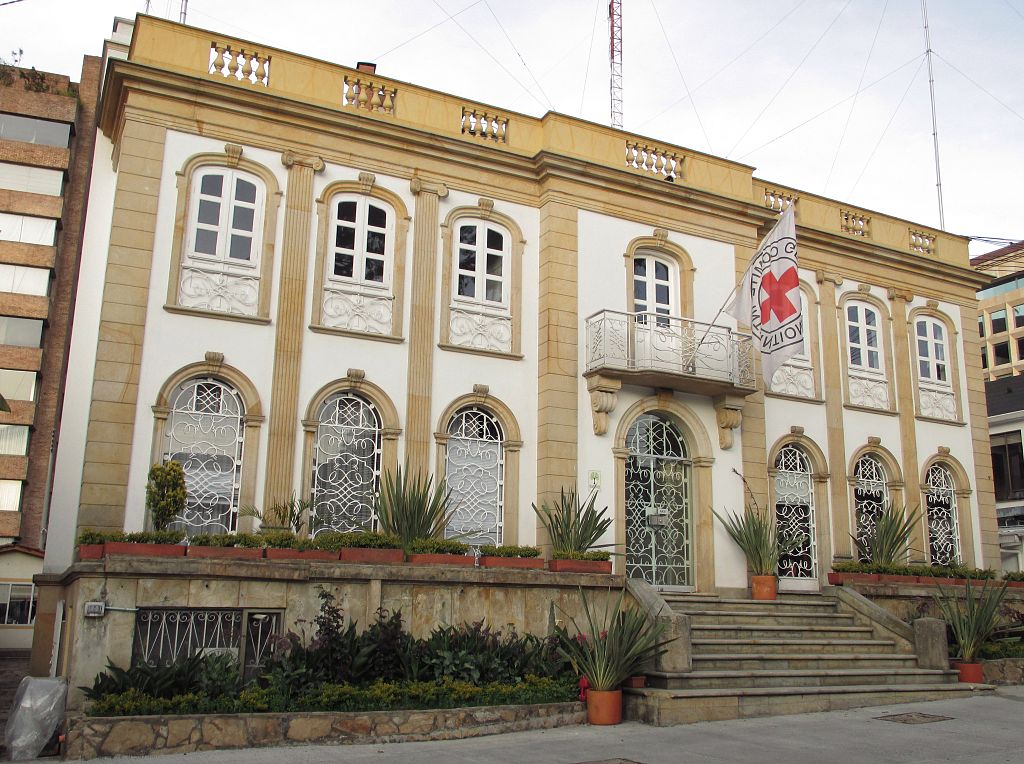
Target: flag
x=768, y=298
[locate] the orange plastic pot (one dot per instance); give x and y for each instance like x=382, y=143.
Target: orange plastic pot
x=764, y=587
x=970, y=672
x=604, y=706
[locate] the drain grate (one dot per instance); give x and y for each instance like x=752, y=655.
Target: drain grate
x=913, y=718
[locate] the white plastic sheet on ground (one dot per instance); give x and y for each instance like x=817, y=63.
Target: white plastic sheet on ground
x=38, y=709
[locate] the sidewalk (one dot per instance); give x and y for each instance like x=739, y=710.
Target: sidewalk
x=982, y=729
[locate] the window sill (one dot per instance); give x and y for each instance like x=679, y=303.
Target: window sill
x=318, y=329
x=799, y=398
x=480, y=351
x=936, y=420
x=200, y=313
x=870, y=410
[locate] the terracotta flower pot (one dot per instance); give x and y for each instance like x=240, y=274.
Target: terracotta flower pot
x=764, y=587
x=375, y=556
x=226, y=552
x=523, y=563
x=143, y=550
x=604, y=706
x=300, y=554
x=462, y=560
x=970, y=672
x=886, y=578
x=90, y=551
x=836, y=579
x=580, y=566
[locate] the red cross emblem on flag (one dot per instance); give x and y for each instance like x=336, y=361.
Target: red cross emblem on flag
x=774, y=295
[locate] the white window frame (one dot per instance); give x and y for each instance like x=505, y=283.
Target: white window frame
x=862, y=344
x=224, y=227
x=932, y=346
x=359, y=252
x=478, y=302
x=651, y=283
x=5, y=597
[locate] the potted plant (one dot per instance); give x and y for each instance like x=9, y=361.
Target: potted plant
x=94, y=545
x=236, y=546
x=523, y=557
x=412, y=508
x=888, y=543
x=608, y=650
x=166, y=494
x=285, y=545
x=369, y=547
x=972, y=624
x=440, y=552
x=574, y=530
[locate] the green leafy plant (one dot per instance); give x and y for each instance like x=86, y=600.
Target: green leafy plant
x=972, y=620
x=139, y=537
x=250, y=540
x=931, y=571
x=756, y=533
x=412, y=507
x=595, y=555
x=572, y=526
x=438, y=546
x=1013, y=575
x=508, y=550
x=889, y=541
x=611, y=647
x=334, y=540
x=275, y=539
x=292, y=514
x=165, y=494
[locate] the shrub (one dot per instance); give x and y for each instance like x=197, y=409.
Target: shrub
x=213, y=675
x=139, y=537
x=595, y=555
x=438, y=546
x=932, y=571
x=573, y=527
x=165, y=494
x=278, y=539
x=1013, y=575
x=509, y=551
x=334, y=540
x=249, y=540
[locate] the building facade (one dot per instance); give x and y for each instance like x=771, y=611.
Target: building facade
x=299, y=276
x=47, y=134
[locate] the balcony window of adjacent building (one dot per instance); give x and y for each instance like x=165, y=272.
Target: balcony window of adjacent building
x=1000, y=353
x=10, y=495
x=25, y=229
x=1008, y=466
x=21, y=279
x=16, y=385
x=13, y=439
x=21, y=332
x=997, y=320
x=42, y=132
x=981, y=326
x=31, y=180
x=220, y=268
x=17, y=604
x=984, y=359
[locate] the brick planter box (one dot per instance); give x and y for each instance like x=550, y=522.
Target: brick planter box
x=90, y=551
x=226, y=552
x=92, y=737
x=125, y=549
x=303, y=554
x=580, y=566
x=460, y=560
x=838, y=579
x=522, y=563
x=374, y=556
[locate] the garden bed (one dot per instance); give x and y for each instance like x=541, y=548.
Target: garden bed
x=92, y=737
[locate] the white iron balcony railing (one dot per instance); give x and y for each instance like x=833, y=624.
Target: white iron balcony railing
x=668, y=351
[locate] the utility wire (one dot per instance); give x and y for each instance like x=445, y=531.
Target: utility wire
x=789, y=78
x=887, y=126
x=590, y=53
x=521, y=59
x=736, y=58
x=836, y=105
x=9, y=2
x=489, y=54
x=1013, y=8
x=428, y=29
x=680, y=70
x=980, y=87
x=849, y=114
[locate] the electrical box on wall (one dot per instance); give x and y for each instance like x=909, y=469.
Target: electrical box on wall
x=95, y=609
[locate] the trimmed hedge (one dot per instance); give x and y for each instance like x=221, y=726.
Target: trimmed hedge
x=438, y=546
x=334, y=540
x=932, y=571
x=1013, y=575
x=379, y=696
x=489, y=550
x=139, y=537
x=594, y=555
x=248, y=540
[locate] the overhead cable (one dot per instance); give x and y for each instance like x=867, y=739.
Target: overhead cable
x=590, y=52
x=521, y=59
x=431, y=28
x=679, y=69
x=978, y=85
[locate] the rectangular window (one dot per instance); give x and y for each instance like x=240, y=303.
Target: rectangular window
x=1000, y=353
x=27, y=230
x=21, y=279
x=17, y=385
x=17, y=604
x=13, y=439
x=981, y=326
x=22, y=332
x=998, y=321
x=42, y=132
x=1008, y=466
x=984, y=359
x=33, y=180
x=10, y=495
x=1018, y=316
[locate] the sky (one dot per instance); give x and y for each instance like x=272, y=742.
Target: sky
x=826, y=96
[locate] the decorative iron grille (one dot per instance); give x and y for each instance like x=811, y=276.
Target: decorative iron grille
x=475, y=475
x=658, y=529
x=943, y=530
x=870, y=497
x=794, y=512
x=346, y=464
x=205, y=435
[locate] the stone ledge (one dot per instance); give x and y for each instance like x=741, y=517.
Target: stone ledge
x=92, y=737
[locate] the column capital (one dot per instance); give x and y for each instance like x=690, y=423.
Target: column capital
x=292, y=159
x=825, y=276
x=417, y=186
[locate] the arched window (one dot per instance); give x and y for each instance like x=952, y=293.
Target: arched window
x=655, y=287
x=346, y=464
x=794, y=512
x=474, y=464
x=870, y=495
x=480, y=269
x=864, y=341
x=205, y=434
x=220, y=263
x=943, y=530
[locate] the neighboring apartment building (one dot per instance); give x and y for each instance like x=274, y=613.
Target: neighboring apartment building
x=298, y=276
x=47, y=135
x=1001, y=325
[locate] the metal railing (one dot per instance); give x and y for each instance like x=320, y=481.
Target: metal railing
x=655, y=342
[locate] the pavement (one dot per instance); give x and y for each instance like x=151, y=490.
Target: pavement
x=981, y=729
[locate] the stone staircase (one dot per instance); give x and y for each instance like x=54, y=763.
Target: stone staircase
x=799, y=654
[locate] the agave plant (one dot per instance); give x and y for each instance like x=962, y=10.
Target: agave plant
x=889, y=541
x=756, y=533
x=973, y=622
x=609, y=649
x=573, y=527
x=412, y=507
x=291, y=514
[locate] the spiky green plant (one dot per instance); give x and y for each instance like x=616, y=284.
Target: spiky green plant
x=571, y=526
x=291, y=514
x=609, y=649
x=412, y=507
x=165, y=494
x=974, y=621
x=756, y=533
x=889, y=541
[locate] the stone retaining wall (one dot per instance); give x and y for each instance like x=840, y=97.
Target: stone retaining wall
x=911, y=601
x=92, y=737
x=1004, y=671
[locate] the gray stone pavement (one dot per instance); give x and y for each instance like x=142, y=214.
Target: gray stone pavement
x=984, y=729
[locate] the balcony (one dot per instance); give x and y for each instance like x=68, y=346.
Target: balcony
x=669, y=352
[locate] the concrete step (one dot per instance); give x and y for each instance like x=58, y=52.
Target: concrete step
x=770, y=661
x=695, y=680
x=802, y=604
x=704, y=646
x=794, y=631
x=755, y=618
x=669, y=707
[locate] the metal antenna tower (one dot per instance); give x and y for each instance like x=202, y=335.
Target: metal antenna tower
x=935, y=124
x=615, y=57
x=184, y=11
